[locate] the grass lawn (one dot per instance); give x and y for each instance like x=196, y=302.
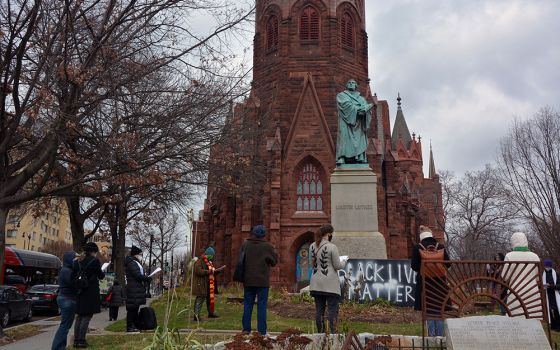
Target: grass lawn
x=231, y=312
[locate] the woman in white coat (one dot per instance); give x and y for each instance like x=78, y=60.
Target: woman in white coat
x=522, y=278
x=325, y=284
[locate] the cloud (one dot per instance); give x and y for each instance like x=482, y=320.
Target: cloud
x=464, y=69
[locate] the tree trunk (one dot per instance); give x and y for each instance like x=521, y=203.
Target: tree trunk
x=3, y=216
x=120, y=242
x=76, y=223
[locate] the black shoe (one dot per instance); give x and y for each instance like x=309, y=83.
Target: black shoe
x=213, y=316
x=132, y=330
x=81, y=344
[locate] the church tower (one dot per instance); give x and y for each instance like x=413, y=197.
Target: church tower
x=304, y=53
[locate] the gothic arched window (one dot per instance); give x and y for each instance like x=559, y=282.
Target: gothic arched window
x=309, y=189
x=347, y=30
x=272, y=32
x=309, y=24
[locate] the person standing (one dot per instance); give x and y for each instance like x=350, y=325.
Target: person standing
x=435, y=277
x=260, y=256
x=522, y=280
x=136, y=283
x=550, y=280
x=117, y=298
x=89, y=302
x=66, y=300
x=325, y=284
x=204, y=284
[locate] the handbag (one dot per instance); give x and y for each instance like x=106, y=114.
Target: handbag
x=239, y=274
x=109, y=297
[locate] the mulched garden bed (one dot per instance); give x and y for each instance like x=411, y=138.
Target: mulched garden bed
x=349, y=312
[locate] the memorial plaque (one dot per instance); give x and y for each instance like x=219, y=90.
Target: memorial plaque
x=495, y=333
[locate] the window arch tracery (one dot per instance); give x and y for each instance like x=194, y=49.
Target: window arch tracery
x=309, y=189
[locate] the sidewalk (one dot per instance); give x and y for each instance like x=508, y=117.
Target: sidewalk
x=43, y=340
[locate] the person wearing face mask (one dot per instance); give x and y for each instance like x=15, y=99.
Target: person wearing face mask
x=204, y=285
x=89, y=302
x=551, y=285
x=136, y=282
x=325, y=285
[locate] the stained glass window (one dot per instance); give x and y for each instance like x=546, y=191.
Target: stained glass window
x=309, y=189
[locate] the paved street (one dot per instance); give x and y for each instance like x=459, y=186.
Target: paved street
x=43, y=340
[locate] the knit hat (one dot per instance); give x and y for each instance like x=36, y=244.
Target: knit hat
x=425, y=232
x=259, y=231
x=91, y=247
x=135, y=251
x=210, y=251
x=518, y=239
x=547, y=263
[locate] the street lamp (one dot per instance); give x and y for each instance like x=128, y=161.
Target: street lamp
x=150, y=260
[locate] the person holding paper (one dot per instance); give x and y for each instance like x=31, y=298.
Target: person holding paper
x=136, y=282
x=204, y=283
x=325, y=285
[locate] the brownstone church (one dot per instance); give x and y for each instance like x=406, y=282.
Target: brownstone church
x=304, y=53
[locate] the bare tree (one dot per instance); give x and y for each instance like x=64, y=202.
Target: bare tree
x=480, y=215
x=163, y=225
x=529, y=162
x=57, y=248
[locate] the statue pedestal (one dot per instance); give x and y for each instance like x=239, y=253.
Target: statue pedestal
x=354, y=213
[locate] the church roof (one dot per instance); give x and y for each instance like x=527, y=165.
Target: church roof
x=400, y=129
x=432, y=169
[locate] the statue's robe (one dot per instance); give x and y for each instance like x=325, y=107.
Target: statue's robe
x=352, y=140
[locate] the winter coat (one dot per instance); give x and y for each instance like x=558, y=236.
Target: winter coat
x=66, y=285
x=201, y=278
x=551, y=291
x=118, y=297
x=135, y=283
x=325, y=275
x=88, y=300
x=433, y=285
x=260, y=256
x=529, y=280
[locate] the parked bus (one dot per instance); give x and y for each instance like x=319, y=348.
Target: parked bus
x=24, y=268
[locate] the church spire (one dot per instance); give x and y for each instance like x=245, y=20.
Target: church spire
x=400, y=129
x=432, y=169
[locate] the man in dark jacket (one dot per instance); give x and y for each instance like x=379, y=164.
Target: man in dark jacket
x=66, y=300
x=260, y=256
x=435, y=286
x=117, y=298
x=136, y=283
x=89, y=302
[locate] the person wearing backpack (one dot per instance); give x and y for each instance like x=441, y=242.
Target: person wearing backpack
x=89, y=302
x=115, y=300
x=429, y=249
x=67, y=299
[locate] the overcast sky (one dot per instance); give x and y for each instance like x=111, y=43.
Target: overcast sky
x=464, y=69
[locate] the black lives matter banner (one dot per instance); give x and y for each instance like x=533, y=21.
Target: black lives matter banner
x=368, y=280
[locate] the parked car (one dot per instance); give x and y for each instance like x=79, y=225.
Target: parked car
x=16, y=281
x=43, y=297
x=13, y=305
